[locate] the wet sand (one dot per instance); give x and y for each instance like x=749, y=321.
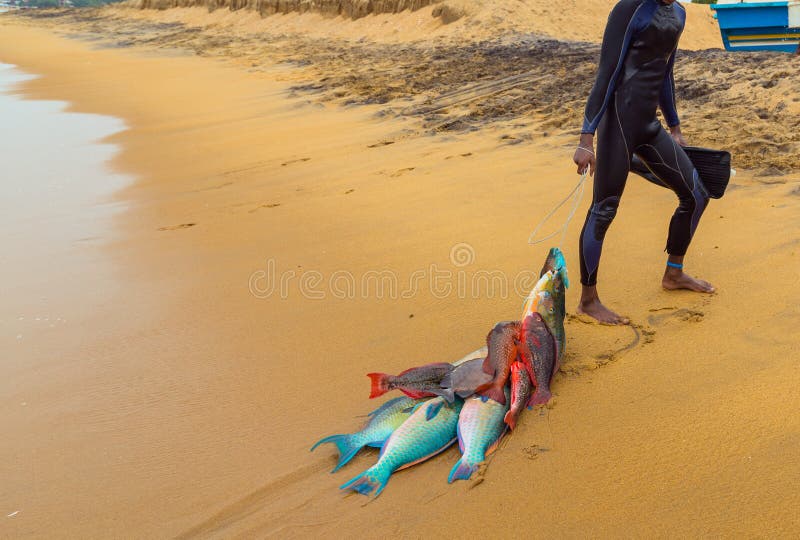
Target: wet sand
x=185, y=401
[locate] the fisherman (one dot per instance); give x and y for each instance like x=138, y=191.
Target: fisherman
x=634, y=77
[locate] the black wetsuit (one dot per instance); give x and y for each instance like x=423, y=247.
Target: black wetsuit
x=634, y=78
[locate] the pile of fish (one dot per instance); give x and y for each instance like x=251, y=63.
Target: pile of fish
x=474, y=401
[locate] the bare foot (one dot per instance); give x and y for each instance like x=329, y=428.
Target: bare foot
x=596, y=310
x=675, y=278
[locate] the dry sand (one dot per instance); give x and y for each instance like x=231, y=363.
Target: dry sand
x=183, y=404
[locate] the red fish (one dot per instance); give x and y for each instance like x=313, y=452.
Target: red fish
x=538, y=350
x=417, y=382
x=502, y=352
x=521, y=388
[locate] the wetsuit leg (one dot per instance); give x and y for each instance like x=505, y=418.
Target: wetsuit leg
x=613, y=164
x=672, y=166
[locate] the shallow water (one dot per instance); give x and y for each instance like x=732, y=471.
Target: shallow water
x=56, y=187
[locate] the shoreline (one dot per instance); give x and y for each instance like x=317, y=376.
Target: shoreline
x=205, y=399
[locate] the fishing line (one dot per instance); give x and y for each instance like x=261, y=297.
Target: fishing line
x=576, y=195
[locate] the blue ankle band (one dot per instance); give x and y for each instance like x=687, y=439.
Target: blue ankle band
x=674, y=265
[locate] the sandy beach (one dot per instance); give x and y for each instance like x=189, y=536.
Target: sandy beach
x=293, y=183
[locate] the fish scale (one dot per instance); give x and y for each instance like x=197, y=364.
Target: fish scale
x=430, y=429
x=540, y=353
x=416, y=382
x=481, y=425
x=521, y=387
x=501, y=345
x=543, y=336
x=382, y=423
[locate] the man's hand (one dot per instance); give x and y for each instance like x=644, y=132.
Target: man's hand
x=584, y=154
x=675, y=131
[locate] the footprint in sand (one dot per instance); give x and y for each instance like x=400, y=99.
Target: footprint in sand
x=401, y=172
x=380, y=143
x=268, y=205
x=649, y=336
x=299, y=160
x=211, y=188
x=176, y=227
x=622, y=338
x=532, y=452
x=682, y=314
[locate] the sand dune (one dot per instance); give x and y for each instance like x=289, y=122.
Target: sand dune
x=401, y=21
x=576, y=20
x=352, y=9
x=184, y=403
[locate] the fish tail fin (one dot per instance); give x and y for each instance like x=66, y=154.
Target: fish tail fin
x=483, y=387
x=462, y=470
x=540, y=397
x=487, y=366
x=372, y=479
x=345, y=444
x=379, y=384
x=492, y=392
x=415, y=394
x=510, y=419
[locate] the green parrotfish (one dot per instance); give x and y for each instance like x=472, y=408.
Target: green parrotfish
x=481, y=425
x=382, y=423
x=548, y=298
x=429, y=430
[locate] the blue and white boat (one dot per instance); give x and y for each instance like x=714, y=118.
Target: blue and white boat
x=759, y=25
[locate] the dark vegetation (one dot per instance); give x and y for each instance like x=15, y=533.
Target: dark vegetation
x=735, y=101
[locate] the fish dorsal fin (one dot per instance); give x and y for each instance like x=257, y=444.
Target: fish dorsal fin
x=433, y=409
x=387, y=405
x=487, y=366
x=418, y=405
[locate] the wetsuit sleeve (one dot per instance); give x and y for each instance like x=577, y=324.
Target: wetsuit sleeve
x=667, y=98
x=616, y=39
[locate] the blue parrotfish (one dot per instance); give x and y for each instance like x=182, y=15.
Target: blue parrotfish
x=481, y=425
x=429, y=430
x=381, y=424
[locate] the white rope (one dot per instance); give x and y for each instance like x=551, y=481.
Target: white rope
x=576, y=194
